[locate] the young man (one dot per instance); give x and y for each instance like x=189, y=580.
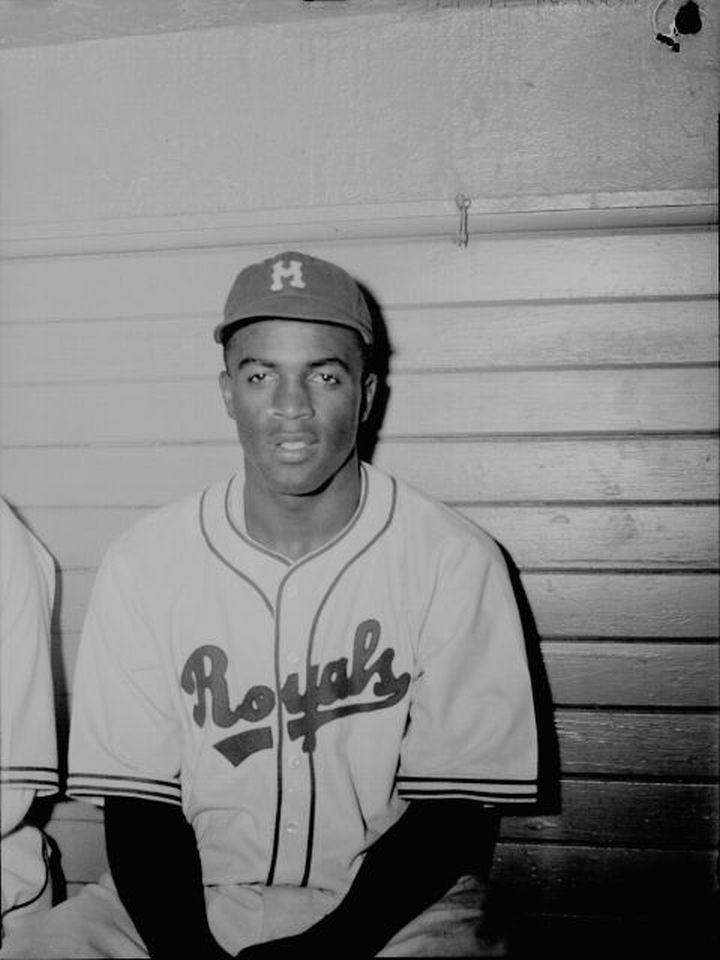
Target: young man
x=301, y=695
x=28, y=747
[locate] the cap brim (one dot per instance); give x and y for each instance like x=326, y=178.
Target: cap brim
x=291, y=308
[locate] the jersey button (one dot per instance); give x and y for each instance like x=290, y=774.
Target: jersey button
x=292, y=827
x=295, y=762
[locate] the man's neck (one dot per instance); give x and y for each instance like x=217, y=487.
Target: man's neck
x=294, y=526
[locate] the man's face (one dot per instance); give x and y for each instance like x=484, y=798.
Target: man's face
x=297, y=393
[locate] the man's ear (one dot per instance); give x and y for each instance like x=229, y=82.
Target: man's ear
x=227, y=394
x=369, y=390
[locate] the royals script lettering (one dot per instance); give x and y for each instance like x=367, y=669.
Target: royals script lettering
x=330, y=692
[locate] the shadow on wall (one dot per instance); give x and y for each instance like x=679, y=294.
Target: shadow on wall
x=382, y=352
x=549, y=801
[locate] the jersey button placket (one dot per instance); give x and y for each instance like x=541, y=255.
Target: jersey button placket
x=292, y=849
x=292, y=657
x=294, y=764
x=295, y=806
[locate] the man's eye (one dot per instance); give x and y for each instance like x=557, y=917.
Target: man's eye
x=258, y=377
x=322, y=376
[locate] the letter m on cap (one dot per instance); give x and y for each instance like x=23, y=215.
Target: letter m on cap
x=291, y=272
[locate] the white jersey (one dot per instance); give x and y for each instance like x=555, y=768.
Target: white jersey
x=28, y=746
x=293, y=708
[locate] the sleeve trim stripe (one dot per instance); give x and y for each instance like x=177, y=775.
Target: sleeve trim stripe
x=450, y=786
x=470, y=795
x=100, y=792
x=88, y=780
x=32, y=776
x=507, y=781
x=29, y=782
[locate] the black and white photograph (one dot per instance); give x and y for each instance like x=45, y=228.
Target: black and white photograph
x=359, y=479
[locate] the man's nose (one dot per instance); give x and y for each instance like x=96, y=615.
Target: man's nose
x=292, y=399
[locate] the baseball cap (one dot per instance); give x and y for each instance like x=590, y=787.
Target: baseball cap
x=296, y=286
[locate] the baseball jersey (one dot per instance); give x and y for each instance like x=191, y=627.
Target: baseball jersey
x=28, y=747
x=293, y=708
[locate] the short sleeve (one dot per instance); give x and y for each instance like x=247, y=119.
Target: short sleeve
x=28, y=744
x=472, y=730
x=124, y=733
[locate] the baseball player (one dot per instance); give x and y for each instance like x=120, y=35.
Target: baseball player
x=302, y=694
x=28, y=749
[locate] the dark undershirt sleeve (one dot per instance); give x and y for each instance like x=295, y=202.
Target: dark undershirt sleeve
x=411, y=866
x=155, y=864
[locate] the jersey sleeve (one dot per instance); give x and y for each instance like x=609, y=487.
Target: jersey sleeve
x=124, y=732
x=28, y=745
x=472, y=731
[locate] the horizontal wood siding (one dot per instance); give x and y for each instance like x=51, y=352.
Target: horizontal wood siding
x=580, y=880
x=560, y=389
x=618, y=332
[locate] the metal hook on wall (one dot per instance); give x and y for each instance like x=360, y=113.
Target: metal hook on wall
x=463, y=204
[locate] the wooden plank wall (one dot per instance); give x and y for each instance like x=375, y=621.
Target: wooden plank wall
x=558, y=388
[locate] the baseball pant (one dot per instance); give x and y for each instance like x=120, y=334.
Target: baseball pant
x=95, y=925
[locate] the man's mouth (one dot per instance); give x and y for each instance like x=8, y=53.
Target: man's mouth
x=293, y=449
